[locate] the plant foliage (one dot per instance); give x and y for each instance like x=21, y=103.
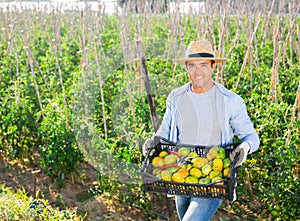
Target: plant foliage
x=72, y=87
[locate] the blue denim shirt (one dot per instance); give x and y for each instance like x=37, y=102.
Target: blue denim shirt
x=232, y=116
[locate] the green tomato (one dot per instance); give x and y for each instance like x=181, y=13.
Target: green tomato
x=275, y=213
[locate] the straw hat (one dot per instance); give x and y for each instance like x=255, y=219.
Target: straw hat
x=199, y=50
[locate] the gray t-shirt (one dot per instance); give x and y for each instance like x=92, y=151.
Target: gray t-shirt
x=196, y=119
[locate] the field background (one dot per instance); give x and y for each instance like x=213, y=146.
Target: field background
x=73, y=101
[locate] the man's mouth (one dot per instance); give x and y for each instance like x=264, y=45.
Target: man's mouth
x=198, y=78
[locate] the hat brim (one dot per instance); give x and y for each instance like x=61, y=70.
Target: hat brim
x=183, y=60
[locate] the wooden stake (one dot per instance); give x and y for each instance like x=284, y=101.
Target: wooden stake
x=34, y=81
x=221, y=46
x=247, y=52
x=35, y=182
x=296, y=108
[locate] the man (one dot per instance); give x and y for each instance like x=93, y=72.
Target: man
x=203, y=112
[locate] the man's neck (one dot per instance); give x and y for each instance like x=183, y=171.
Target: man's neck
x=201, y=89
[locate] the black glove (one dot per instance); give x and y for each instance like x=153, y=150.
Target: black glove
x=150, y=142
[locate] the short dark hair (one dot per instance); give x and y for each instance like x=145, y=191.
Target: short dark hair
x=212, y=62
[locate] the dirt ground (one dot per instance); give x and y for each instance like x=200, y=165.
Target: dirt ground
x=75, y=195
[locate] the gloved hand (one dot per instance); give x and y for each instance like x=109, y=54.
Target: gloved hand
x=150, y=142
x=241, y=152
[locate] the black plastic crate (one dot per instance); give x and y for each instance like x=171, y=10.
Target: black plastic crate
x=222, y=189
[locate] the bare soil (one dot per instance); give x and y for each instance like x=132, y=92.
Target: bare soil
x=75, y=194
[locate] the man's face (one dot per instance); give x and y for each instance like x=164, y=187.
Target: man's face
x=200, y=73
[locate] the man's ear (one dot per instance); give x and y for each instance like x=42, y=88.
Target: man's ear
x=214, y=65
x=186, y=66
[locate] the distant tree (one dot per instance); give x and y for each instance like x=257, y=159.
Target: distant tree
x=159, y=6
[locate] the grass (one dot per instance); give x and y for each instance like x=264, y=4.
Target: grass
x=18, y=206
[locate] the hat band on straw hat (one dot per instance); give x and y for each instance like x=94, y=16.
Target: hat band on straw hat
x=201, y=55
